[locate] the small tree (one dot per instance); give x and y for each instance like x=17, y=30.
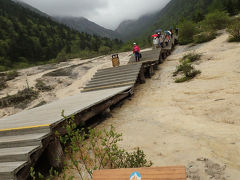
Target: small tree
x=96, y=149
x=104, y=49
x=62, y=56
x=216, y=20
x=186, y=32
x=234, y=30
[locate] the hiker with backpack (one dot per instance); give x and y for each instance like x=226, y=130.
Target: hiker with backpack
x=136, y=52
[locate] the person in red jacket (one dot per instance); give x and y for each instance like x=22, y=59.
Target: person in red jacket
x=136, y=52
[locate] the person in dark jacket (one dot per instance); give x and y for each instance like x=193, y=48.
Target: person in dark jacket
x=136, y=52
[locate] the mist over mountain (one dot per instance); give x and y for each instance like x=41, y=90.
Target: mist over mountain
x=25, y=5
x=28, y=38
x=130, y=29
x=173, y=13
x=82, y=24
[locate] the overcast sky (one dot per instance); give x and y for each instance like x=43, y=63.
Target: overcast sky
x=108, y=13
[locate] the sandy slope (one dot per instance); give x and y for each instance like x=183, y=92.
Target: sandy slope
x=77, y=74
x=197, y=123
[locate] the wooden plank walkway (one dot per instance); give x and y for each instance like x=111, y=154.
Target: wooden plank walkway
x=22, y=134
x=150, y=55
x=114, y=77
x=156, y=173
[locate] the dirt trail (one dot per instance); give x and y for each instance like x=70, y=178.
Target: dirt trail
x=196, y=123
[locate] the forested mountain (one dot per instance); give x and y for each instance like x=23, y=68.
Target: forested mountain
x=80, y=24
x=29, y=38
x=25, y=5
x=133, y=28
x=174, y=12
x=84, y=25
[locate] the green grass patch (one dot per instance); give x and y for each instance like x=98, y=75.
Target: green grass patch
x=41, y=86
x=3, y=84
x=19, y=100
x=192, y=57
x=204, y=37
x=186, y=69
x=234, y=30
x=40, y=104
x=7, y=76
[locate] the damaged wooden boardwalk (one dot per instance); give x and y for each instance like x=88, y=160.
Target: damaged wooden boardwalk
x=114, y=77
x=25, y=136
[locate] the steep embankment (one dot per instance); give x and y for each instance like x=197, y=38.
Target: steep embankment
x=196, y=123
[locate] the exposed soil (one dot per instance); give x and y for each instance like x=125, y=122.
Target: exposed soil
x=196, y=123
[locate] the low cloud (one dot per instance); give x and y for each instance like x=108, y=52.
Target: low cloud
x=108, y=13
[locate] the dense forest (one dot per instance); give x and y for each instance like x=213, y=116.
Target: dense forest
x=178, y=11
x=27, y=38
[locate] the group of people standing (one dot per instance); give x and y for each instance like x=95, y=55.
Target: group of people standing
x=162, y=38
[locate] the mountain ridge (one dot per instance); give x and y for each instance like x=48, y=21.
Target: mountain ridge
x=82, y=24
x=28, y=38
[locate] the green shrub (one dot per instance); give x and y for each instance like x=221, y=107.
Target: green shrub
x=192, y=57
x=3, y=68
x=62, y=56
x=10, y=75
x=182, y=79
x=40, y=104
x=186, y=69
x=41, y=86
x=186, y=32
x=19, y=100
x=96, y=149
x=21, y=65
x=104, y=50
x=3, y=83
x=204, y=37
x=7, y=76
x=234, y=30
x=189, y=73
x=216, y=20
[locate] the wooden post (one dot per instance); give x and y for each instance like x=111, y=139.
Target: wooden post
x=141, y=76
x=151, y=71
x=55, y=154
x=160, y=58
x=155, y=66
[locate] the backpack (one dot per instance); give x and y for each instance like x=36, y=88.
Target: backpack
x=135, y=49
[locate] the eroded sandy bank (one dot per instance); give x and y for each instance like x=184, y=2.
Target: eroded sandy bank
x=196, y=123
